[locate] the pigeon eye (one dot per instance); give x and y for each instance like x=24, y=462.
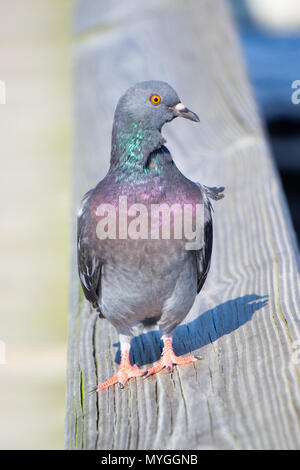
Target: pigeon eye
x=155, y=99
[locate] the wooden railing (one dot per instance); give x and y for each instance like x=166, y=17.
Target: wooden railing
x=245, y=393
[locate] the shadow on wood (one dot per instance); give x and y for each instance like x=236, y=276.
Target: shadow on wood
x=206, y=328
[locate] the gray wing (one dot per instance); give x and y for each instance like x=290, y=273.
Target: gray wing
x=89, y=266
x=203, y=256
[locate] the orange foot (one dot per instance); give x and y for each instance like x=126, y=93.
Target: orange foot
x=126, y=371
x=169, y=359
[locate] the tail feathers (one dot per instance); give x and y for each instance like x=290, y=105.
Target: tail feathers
x=214, y=193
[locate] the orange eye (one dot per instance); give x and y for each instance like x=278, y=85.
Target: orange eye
x=155, y=99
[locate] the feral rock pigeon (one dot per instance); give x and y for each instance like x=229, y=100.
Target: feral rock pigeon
x=138, y=262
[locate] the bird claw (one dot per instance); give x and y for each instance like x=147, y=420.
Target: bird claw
x=169, y=359
x=125, y=372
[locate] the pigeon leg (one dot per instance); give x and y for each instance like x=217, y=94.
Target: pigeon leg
x=126, y=371
x=169, y=359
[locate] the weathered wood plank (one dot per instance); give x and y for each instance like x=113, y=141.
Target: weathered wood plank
x=245, y=393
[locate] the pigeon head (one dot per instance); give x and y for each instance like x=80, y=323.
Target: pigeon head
x=140, y=114
x=151, y=104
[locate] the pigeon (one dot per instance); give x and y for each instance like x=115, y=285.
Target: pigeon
x=137, y=266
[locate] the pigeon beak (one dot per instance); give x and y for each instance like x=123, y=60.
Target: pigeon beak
x=181, y=110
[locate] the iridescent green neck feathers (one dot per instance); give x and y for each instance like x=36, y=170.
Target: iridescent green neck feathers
x=132, y=146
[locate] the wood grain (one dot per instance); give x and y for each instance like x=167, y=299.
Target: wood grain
x=244, y=394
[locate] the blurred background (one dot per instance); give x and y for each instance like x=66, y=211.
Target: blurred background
x=35, y=124
x=35, y=152
x=269, y=31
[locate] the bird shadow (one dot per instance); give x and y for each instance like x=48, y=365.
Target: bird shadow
x=206, y=328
